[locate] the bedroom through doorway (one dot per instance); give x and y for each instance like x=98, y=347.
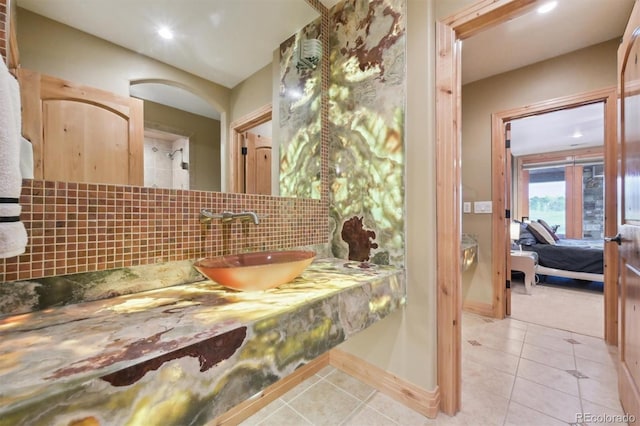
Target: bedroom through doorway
x=557, y=218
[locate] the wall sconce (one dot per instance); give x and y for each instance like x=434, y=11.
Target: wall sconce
x=308, y=53
x=514, y=231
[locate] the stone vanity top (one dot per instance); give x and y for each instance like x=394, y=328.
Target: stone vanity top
x=43, y=353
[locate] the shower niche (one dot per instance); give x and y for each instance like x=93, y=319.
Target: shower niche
x=166, y=160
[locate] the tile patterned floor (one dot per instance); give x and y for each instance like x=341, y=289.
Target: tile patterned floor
x=514, y=373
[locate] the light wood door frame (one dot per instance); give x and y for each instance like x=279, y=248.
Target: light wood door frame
x=499, y=168
x=238, y=127
x=449, y=32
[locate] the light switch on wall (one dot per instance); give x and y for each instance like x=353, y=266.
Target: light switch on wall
x=482, y=207
x=466, y=207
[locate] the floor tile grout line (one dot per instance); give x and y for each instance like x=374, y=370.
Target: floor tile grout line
x=548, y=365
x=364, y=404
x=320, y=378
x=575, y=362
x=549, y=387
x=270, y=414
x=382, y=414
x=338, y=388
x=593, y=360
x=343, y=421
x=515, y=377
x=538, y=411
x=298, y=413
x=345, y=391
x=551, y=349
x=546, y=326
x=284, y=404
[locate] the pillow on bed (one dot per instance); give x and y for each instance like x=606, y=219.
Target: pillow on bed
x=541, y=234
x=548, y=228
x=526, y=237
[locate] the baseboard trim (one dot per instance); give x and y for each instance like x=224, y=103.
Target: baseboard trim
x=246, y=409
x=423, y=401
x=629, y=392
x=480, y=308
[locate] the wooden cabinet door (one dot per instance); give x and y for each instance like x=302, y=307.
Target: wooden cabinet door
x=629, y=208
x=81, y=134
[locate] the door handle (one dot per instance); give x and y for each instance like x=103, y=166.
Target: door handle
x=617, y=239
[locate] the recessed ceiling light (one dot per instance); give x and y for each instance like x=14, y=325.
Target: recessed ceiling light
x=547, y=7
x=576, y=134
x=165, y=33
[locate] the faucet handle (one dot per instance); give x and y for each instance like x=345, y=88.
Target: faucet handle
x=227, y=216
x=207, y=216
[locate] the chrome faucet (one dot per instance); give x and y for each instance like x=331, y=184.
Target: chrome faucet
x=207, y=216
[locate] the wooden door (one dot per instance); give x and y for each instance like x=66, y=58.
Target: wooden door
x=81, y=134
x=254, y=168
x=508, y=176
x=629, y=211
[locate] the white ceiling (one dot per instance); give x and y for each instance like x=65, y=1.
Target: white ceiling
x=174, y=97
x=572, y=25
x=574, y=128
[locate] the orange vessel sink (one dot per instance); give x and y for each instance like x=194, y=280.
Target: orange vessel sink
x=255, y=271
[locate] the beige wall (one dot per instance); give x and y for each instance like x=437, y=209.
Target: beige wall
x=254, y=92
x=204, y=142
x=52, y=48
x=405, y=342
x=587, y=69
x=446, y=8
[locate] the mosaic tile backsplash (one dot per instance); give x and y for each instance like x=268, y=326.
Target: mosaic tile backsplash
x=76, y=227
x=3, y=28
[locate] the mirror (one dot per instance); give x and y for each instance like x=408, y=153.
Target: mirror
x=224, y=60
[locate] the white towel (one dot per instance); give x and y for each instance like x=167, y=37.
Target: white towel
x=26, y=159
x=13, y=236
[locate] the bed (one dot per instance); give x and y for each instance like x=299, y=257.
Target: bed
x=577, y=259
x=560, y=257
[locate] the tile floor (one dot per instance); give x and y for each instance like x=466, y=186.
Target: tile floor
x=514, y=373
x=548, y=305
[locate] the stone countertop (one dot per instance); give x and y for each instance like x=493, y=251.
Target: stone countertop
x=45, y=352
